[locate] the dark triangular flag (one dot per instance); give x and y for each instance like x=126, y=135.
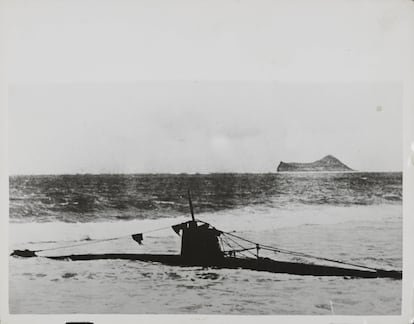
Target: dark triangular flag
x=177, y=228
x=137, y=238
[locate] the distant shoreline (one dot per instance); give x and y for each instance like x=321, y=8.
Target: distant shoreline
x=194, y=174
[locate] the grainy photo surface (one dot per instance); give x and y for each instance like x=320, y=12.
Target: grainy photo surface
x=244, y=198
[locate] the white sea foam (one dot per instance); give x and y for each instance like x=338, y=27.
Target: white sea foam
x=369, y=235
x=241, y=220
x=352, y=217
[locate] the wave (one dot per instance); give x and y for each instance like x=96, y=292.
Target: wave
x=246, y=219
x=129, y=197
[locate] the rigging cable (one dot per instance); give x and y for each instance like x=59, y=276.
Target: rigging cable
x=271, y=248
x=100, y=240
x=241, y=246
x=233, y=250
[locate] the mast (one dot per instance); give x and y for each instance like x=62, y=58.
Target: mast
x=191, y=205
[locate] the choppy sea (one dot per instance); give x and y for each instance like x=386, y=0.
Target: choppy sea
x=355, y=217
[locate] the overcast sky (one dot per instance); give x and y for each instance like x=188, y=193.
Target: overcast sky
x=201, y=126
x=311, y=78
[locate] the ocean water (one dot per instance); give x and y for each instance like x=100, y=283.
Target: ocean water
x=355, y=217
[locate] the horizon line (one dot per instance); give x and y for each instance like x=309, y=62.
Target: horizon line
x=198, y=173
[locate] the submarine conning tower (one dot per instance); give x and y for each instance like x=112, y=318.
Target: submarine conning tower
x=199, y=243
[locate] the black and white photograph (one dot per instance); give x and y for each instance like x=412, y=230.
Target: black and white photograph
x=205, y=198
x=239, y=159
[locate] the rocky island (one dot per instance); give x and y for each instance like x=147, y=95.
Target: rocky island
x=328, y=163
